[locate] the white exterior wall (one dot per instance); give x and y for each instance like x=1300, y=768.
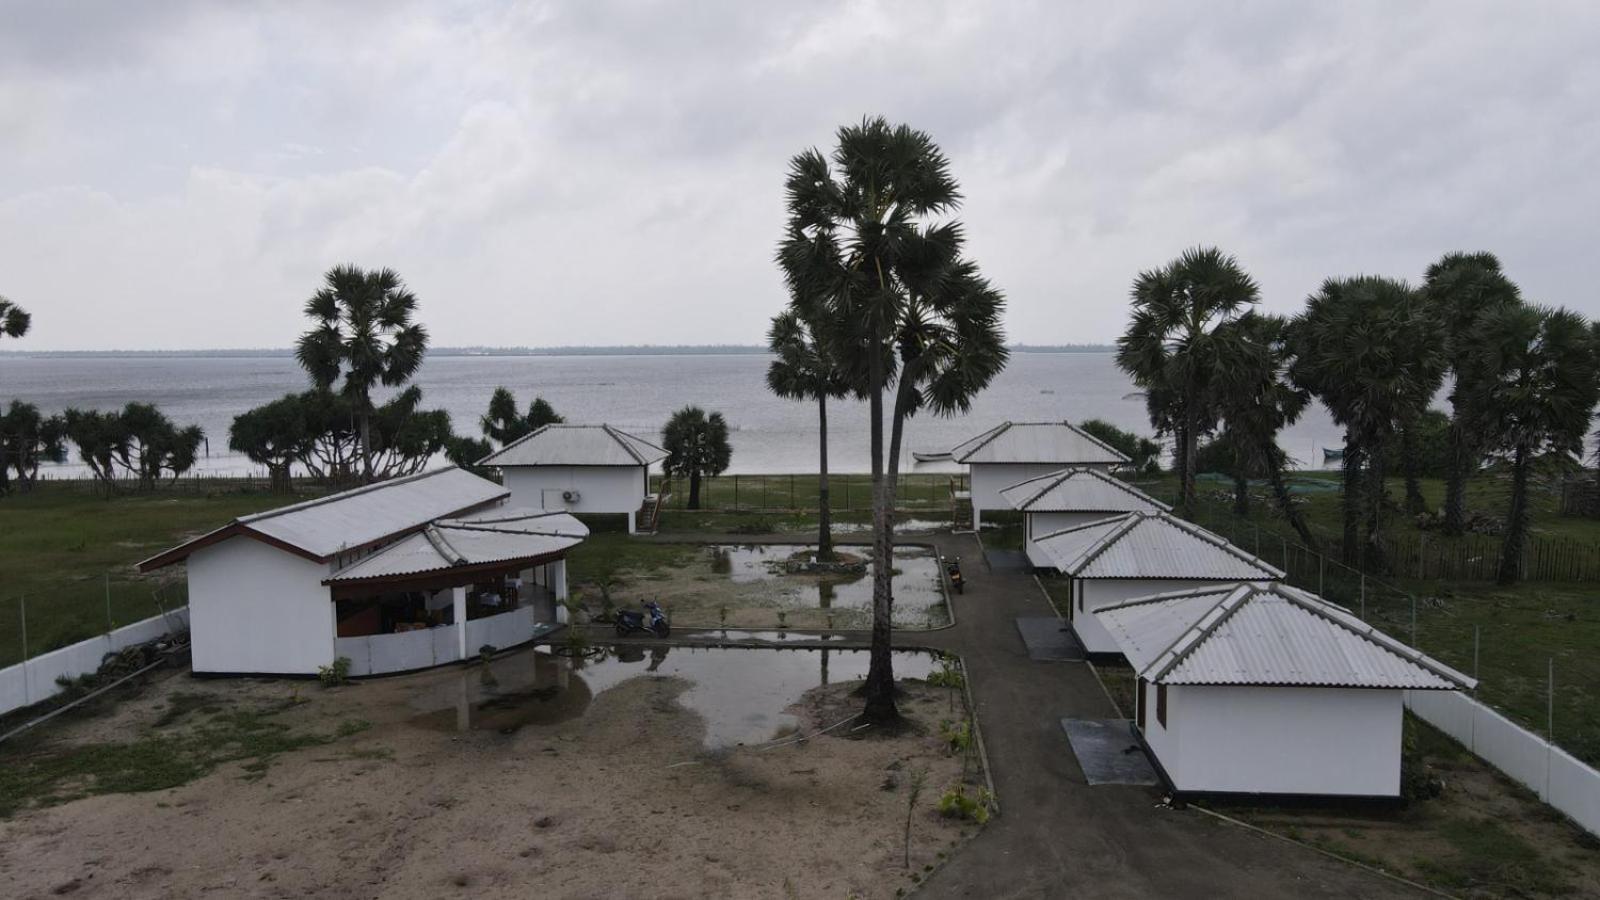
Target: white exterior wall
x=255, y=608
x=1046, y=523
x=27, y=683
x=1090, y=594
x=601, y=489
x=1279, y=740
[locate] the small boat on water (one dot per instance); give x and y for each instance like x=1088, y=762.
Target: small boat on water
x=1136, y=395
x=943, y=456
x=1332, y=455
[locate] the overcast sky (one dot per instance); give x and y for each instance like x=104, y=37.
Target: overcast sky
x=179, y=175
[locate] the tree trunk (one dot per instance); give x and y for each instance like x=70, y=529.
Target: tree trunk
x=1280, y=492
x=366, y=447
x=824, y=513
x=279, y=478
x=1374, y=559
x=1241, y=494
x=878, y=691
x=1455, y=484
x=694, y=488
x=1516, y=520
x=1190, y=439
x=1416, y=504
x=1351, y=501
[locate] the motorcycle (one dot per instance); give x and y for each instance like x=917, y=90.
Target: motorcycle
x=952, y=569
x=652, y=621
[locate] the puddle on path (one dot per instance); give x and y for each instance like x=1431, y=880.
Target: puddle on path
x=901, y=526
x=741, y=692
x=771, y=637
x=918, y=594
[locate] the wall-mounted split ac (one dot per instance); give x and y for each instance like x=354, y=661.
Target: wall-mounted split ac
x=570, y=496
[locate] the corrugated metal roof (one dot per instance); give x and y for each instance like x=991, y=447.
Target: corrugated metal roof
x=1150, y=545
x=1060, y=443
x=328, y=525
x=1265, y=634
x=576, y=445
x=491, y=537
x=1080, y=489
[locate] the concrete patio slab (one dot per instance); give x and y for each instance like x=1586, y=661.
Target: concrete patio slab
x=1108, y=752
x=1049, y=639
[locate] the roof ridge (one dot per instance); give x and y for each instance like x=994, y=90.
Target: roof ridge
x=1223, y=587
x=983, y=440
x=1195, y=635
x=1218, y=541
x=547, y=532
x=1059, y=477
x=1092, y=439
x=342, y=495
x=442, y=546
x=1325, y=610
x=516, y=443
x=1125, y=486
x=626, y=447
x=1097, y=523
x=1128, y=522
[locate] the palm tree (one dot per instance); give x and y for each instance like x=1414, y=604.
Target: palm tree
x=862, y=236
x=697, y=446
x=1256, y=401
x=1366, y=347
x=365, y=335
x=1535, y=379
x=504, y=424
x=805, y=370
x=14, y=320
x=1463, y=288
x=1176, y=346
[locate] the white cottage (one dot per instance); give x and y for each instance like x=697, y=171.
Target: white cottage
x=398, y=575
x=579, y=468
x=1267, y=689
x=1135, y=555
x=1017, y=451
x=1075, y=496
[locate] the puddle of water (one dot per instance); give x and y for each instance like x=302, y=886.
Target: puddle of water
x=900, y=525
x=918, y=594
x=776, y=637
x=741, y=692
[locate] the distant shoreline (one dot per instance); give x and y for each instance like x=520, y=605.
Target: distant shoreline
x=616, y=350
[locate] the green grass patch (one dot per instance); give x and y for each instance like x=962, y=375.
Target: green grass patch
x=190, y=739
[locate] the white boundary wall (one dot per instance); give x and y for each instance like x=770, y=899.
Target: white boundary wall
x=1559, y=779
x=29, y=682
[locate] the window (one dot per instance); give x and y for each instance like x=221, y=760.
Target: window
x=1161, y=704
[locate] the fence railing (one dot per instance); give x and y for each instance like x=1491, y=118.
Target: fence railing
x=32, y=625
x=801, y=493
x=1468, y=557
x=1503, y=642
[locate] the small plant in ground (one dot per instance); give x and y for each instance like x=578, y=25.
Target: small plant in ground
x=957, y=736
x=955, y=804
x=722, y=617
x=949, y=674
x=919, y=778
x=334, y=674
x=485, y=656
x=783, y=619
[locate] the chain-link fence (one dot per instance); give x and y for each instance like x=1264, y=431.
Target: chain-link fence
x=32, y=625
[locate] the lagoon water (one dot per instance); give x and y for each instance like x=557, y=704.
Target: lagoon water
x=634, y=393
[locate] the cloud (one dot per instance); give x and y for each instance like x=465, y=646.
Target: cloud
x=548, y=173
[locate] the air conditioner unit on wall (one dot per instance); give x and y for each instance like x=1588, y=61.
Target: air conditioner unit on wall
x=570, y=496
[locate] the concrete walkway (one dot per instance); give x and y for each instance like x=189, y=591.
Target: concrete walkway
x=1057, y=836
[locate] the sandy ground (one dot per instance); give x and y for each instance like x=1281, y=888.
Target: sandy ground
x=592, y=806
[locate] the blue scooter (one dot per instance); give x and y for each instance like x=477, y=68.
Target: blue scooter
x=628, y=621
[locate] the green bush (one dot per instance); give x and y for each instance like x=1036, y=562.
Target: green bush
x=955, y=804
x=335, y=674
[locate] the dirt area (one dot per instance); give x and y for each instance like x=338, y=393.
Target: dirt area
x=377, y=790
x=748, y=586
x=1483, y=836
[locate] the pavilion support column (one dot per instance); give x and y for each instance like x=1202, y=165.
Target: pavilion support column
x=544, y=606
x=558, y=578
x=977, y=518
x=632, y=528
x=458, y=597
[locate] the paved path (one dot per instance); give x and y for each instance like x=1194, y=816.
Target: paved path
x=1056, y=835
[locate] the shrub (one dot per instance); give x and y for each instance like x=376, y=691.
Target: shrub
x=955, y=804
x=336, y=673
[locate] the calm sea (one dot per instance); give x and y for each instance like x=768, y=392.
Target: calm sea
x=634, y=393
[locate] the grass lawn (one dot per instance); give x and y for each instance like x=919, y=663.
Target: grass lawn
x=60, y=549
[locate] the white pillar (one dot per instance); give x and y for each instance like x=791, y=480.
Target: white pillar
x=631, y=527
x=458, y=596
x=977, y=518
x=558, y=578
